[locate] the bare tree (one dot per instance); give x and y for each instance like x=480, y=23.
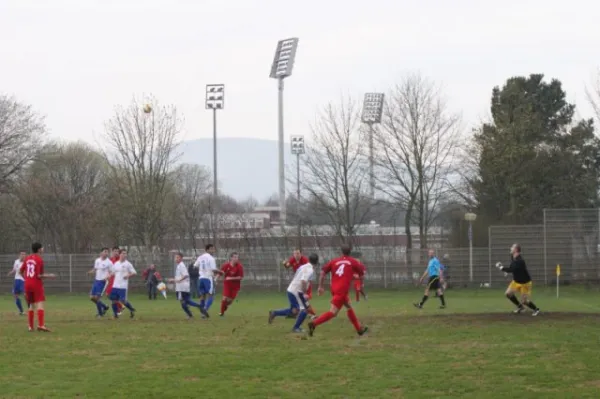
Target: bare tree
x=416, y=146
x=21, y=134
x=142, y=152
x=593, y=96
x=193, y=184
x=335, y=169
x=62, y=194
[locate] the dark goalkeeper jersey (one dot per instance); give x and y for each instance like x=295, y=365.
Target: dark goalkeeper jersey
x=518, y=268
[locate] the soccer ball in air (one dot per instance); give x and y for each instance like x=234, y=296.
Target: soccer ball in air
x=147, y=108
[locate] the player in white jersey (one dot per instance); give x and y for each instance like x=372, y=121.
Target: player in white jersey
x=101, y=270
x=122, y=270
x=296, y=293
x=182, y=286
x=207, y=268
x=19, y=284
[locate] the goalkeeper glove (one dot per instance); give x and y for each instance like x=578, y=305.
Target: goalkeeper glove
x=499, y=265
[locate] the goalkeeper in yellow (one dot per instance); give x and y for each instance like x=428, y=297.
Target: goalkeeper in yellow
x=521, y=281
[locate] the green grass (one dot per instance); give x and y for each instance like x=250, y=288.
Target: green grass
x=473, y=349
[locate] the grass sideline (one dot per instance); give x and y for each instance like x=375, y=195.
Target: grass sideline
x=473, y=349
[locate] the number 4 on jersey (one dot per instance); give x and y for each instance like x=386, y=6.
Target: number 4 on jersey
x=340, y=270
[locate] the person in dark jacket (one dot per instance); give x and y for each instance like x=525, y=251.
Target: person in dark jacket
x=194, y=275
x=150, y=276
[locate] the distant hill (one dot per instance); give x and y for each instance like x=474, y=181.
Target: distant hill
x=246, y=167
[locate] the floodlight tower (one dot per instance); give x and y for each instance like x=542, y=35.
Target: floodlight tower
x=281, y=68
x=215, y=100
x=297, y=150
x=372, y=110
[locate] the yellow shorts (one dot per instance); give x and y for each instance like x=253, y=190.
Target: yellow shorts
x=524, y=289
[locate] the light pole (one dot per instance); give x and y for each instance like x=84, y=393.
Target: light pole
x=215, y=100
x=281, y=68
x=470, y=217
x=297, y=150
x=371, y=115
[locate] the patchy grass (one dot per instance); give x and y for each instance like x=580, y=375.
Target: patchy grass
x=473, y=349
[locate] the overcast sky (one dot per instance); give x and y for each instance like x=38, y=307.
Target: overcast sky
x=73, y=60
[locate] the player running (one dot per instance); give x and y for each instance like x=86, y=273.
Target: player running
x=111, y=280
x=33, y=270
x=359, y=287
x=101, y=270
x=19, y=284
x=297, y=294
x=122, y=270
x=207, y=268
x=342, y=271
x=521, y=281
x=433, y=270
x=294, y=262
x=182, y=287
x=233, y=273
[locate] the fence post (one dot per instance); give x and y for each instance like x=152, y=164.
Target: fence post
x=490, y=255
x=70, y=273
x=384, y=272
x=278, y=276
x=545, y=256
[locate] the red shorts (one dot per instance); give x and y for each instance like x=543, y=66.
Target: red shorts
x=34, y=293
x=358, y=285
x=339, y=300
x=230, y=291
x=309, y=291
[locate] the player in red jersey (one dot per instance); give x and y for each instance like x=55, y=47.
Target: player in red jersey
x=359, y=287
x=295, y=261
x=33, y=271
x=116, y=255
x=342, y=271
x=233, y=273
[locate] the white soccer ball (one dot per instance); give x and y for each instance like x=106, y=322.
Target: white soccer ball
x=147, y=108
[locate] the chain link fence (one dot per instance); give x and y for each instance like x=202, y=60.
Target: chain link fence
x=567, y=237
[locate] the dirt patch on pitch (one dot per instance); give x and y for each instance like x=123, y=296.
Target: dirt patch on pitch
x=510, y=317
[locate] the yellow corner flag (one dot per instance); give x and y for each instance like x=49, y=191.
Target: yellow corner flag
x=558, y=270
x=557, y=278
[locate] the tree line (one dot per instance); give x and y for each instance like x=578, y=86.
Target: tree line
x=531, y=153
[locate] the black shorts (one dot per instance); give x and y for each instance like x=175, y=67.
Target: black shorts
x=434, y=283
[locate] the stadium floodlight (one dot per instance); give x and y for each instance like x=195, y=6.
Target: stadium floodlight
x=298, y=149
x=281, y=68
x=470, y=217
x=371, y=115
x=215, y=100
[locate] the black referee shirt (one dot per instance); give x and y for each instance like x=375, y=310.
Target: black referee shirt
x=518, y=268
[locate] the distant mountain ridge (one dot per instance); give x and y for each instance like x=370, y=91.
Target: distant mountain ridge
x=245, y=166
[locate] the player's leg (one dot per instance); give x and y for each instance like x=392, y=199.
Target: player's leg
x=114, y=298
x=285, y=312
x=183, y=302
x=526, y=299
x=123, y=299
x=353, y=319
x=29, y=297
x=202, y=291
x=211, y=294
x=17, y=291
x=336, y=303
x=310, y=310
x=510, y=294
x=357, y=290
x=437, y=285
x=303, y=306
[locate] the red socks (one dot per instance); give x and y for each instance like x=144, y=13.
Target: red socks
x=40, y=313
x=353, y=319
x=324, y=318
x=30, y=316
x=223, y=306
x=120, y=306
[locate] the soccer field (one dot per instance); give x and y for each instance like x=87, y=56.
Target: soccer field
x=473, y=349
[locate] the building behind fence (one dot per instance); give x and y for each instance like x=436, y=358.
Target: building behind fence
x=567, y=237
